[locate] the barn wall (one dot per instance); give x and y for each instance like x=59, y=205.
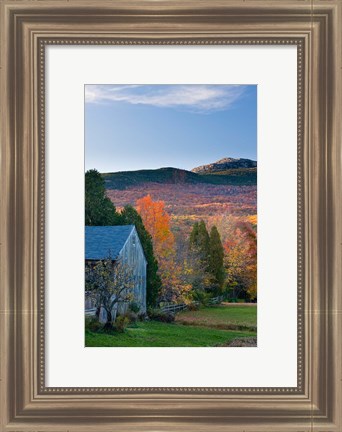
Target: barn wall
x=133, y=255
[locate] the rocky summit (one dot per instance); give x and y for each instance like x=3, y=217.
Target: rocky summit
x=224, y=165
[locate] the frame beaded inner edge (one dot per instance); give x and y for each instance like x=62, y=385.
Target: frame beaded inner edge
x=42, y=389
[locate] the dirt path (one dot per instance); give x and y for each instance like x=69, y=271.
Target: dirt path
x=237, y=304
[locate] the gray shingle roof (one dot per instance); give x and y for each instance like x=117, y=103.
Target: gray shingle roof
x=102, y=241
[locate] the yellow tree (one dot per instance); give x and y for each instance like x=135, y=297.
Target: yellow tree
x=241, y=259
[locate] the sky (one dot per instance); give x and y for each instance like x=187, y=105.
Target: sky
x=131, y=127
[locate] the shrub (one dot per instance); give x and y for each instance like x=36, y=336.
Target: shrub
x=93, y=324
x=134, y=307
x=121, y=323
x=143, y=317
x=159, y=315
x=132, y=316
x=193, y=306
x=202, y=297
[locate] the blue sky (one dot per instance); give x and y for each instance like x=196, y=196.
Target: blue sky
x=130, y=127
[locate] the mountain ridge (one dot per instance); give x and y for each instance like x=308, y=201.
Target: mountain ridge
x=170, y=175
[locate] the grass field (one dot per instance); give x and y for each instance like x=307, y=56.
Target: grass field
x=228, y=317
x=207, y=327
x=155, y=334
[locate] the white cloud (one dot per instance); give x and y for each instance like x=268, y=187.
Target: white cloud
x=201, y=98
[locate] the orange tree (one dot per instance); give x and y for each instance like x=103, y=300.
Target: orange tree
x=157, y=222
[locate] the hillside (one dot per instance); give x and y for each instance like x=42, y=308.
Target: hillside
x=189, y=203
x=233, y=176
x=123, y=179
x=190, y=196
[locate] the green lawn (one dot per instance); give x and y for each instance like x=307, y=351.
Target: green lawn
x=229, y=317
x=207, y=327
x=156, y=334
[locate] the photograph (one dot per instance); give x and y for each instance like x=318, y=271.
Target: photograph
x=170, y=215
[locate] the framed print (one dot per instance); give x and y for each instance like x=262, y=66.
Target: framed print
x=171, y=215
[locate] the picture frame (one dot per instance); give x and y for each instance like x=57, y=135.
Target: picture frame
x=27, y=28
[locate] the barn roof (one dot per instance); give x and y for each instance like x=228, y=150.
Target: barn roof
x=104, y=241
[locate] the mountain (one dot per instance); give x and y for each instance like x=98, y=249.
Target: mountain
x=225, y=164
x=127, y=179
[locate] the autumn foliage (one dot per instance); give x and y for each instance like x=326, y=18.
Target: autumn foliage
x=157, y=222
x=241, y=259
x=171, y=212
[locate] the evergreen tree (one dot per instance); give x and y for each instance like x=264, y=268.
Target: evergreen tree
x=99, y=210
x=129, y=216
x=203, y=238
x=194, y=236
x=199, y=242
x=216, y=255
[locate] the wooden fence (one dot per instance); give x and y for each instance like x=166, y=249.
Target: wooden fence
x=167, y=308
x=216, y=300
x=174, y=308
x=90, y=312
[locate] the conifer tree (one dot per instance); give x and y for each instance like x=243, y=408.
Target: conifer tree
x=99, y=210
x=199, y=243
x=216, y=255
x=194, y=236
x=203, y=238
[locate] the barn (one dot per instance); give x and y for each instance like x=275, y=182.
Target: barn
x=120, y=243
